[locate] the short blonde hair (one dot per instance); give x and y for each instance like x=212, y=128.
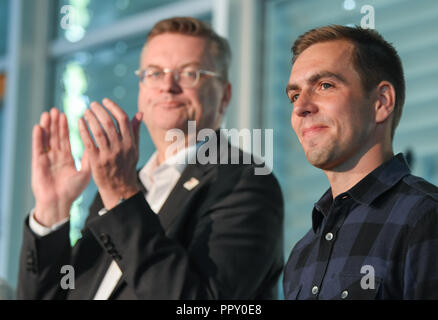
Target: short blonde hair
x=219, y=47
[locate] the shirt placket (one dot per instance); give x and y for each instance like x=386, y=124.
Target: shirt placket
x=327, y=240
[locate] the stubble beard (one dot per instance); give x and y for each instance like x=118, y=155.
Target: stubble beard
x=321, y=156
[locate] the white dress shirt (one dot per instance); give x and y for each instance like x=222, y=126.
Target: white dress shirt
x=159, y=180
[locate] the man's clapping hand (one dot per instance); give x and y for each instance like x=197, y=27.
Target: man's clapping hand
x=113, y=160
x=55, y=181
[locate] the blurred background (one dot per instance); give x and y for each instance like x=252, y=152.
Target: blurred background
x=49, y=58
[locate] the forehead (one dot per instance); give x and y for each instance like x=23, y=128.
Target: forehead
x=334, y=56
x=172, y=49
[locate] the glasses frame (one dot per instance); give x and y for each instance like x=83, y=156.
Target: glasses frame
x=177, y=75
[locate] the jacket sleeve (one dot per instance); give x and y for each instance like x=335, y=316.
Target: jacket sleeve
x=41, y=260
x=235, y=252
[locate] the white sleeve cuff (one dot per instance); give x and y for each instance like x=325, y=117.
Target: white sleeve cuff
x=103, y=211
x=41, y=230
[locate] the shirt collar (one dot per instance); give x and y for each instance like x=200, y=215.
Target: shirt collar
x=321, y=208
x=180, y=159
x=380, y=180
x=366, y=190
x=177, y=162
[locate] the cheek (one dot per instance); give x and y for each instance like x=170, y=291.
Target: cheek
x=294, y=122
x=353, y=124
x=196, y=101
x=204, y=102
x=143, y=98
x=341, y=110
x=192, y=108
x=146, y=100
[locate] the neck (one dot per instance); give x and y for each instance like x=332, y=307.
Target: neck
x=178, y=141
x=346, y=175
x=166, y=149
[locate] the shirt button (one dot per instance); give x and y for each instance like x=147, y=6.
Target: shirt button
x=105, y=238
x=315, y=290
x=344, y=294
x=329, y=236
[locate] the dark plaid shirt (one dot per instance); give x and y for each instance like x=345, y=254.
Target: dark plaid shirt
x=378, y=240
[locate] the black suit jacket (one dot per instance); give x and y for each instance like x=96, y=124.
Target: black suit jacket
x=221, y=240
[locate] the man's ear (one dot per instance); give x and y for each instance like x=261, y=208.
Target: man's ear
x=385, y=102
x=226, y=98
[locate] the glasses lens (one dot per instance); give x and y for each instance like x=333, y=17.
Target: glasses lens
x=152, y=76
x=188, y=77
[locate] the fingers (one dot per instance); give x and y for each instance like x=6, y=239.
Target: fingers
x=54, y=129
x=99, y=134
x=105, y=120
x=37, y=141
x=121, y=118
x=50, y=130
x=135, y=123
x=51, y=133
x=90, y=148
x=85, y=162
x=64, y=134
x=103, y=129
x=45, y=127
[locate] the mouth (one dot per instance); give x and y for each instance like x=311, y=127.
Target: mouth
x=169, y=105
x=313, y=130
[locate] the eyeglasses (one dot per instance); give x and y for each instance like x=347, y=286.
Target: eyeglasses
x=186, y=78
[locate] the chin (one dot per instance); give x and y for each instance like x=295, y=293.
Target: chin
x=170, y=120
x=318, y=158
x=165, y=124
x=169, y=125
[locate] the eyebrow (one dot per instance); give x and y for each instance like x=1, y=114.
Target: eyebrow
x=314, y=78
x=180, y=67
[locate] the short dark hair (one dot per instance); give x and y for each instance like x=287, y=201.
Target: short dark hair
x=374, y=58
x=219, y=47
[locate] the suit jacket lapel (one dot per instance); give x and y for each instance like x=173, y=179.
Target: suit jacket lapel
x=181, y=195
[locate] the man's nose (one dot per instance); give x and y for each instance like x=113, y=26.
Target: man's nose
x=305, y=104
x=170, y=83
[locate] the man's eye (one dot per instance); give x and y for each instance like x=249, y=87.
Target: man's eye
x=294, y=98
x=154, y=74
x=191, y=74
x=326, y=85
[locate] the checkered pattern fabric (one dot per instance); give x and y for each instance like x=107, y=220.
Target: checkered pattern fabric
x=378, y=240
